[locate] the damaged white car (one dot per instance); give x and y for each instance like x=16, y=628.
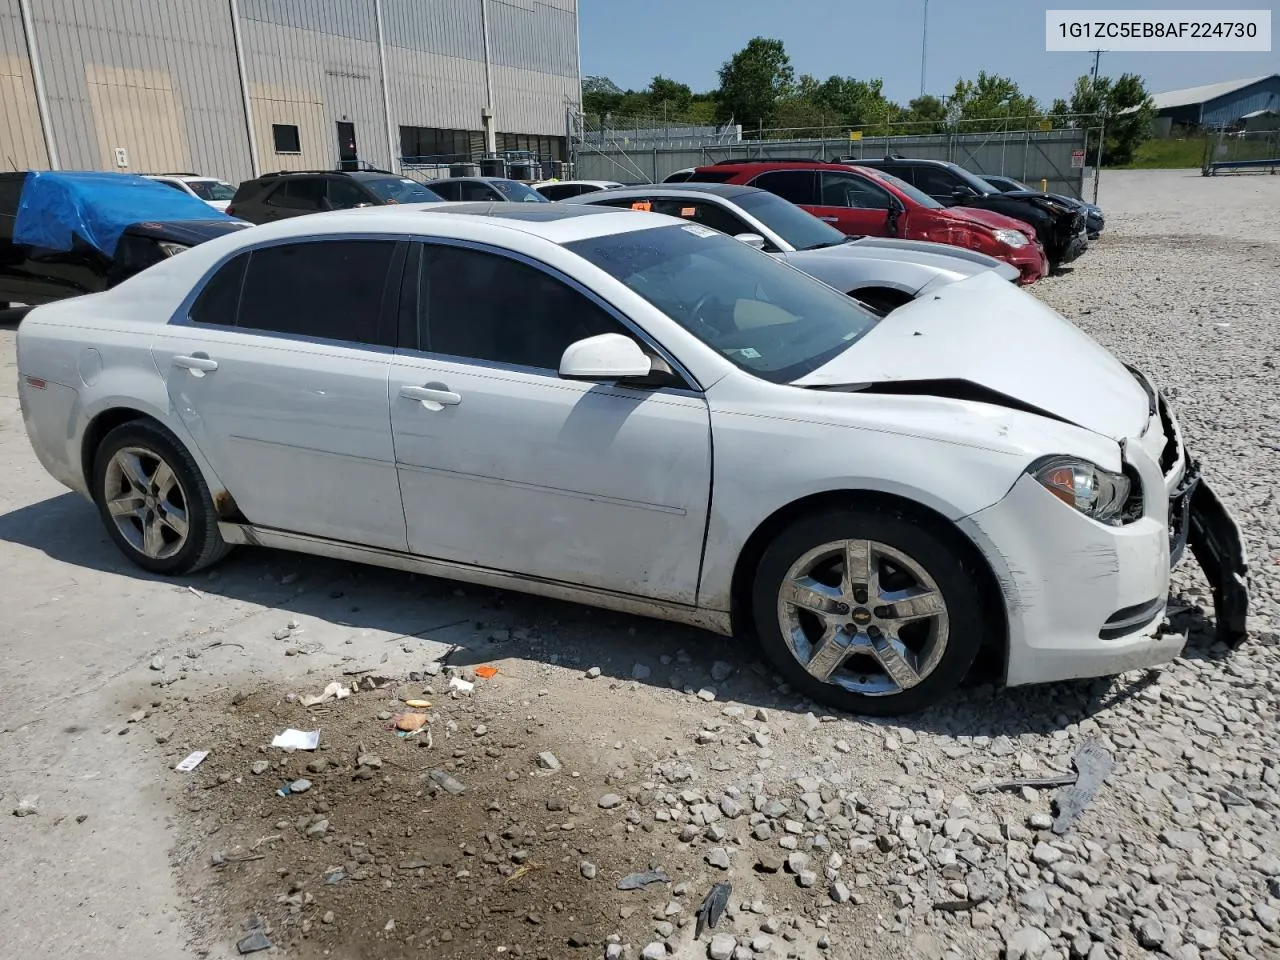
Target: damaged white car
x=642, y=414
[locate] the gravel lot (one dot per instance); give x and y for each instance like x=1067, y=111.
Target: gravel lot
x=840, y=837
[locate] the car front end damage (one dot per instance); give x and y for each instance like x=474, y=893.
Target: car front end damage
x=1086, y=598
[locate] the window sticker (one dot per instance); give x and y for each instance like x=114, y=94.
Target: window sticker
x=698, y=230
x=644, y=205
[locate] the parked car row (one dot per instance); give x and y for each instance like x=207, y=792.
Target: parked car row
x=638, y=411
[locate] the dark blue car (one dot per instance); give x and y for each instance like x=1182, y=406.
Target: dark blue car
x=1094, y=220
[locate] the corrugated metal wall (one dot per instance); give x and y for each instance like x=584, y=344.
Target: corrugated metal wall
x=159, y=78
x=1029, y=156
x=21, y=140
x=1227, y=110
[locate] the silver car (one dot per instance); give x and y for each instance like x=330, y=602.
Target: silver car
x=880, y=272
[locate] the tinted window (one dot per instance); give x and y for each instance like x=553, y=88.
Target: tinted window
x=517, y=192
x=173, y=183
x=211, y=189
x=219, y=301
x=763, y=315
x=558, y=191
x=299, y=193
x=848, y=190
x=343, y=195
x=400, y=190
x=486, y=307
x=707, y=214
x=798, y=186
x=477, y=190
x=328, y=288
x=914, y=193
x=446, y=190
x=936, y=181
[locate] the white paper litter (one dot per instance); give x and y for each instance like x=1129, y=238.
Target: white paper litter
x=462, y=686
x=192, y=761
x=297, y=739
x=334, y=691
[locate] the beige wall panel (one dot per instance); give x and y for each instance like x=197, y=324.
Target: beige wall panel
x=137, y=110
x=21, y=142
x=304, y=110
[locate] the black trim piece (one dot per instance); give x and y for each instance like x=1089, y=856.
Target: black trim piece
x=1216, y=544
x=1129, y=619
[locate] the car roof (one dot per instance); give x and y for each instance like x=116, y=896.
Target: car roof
x=909, y=161
x=184, y=177
x=473, y=180
x=572, y=183
x=770, y=164
x=727, y=191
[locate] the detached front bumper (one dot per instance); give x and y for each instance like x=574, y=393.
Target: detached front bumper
x=1084, y=599
x=1030, y=261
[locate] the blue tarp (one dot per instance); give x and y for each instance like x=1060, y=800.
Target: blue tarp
x=97, y=207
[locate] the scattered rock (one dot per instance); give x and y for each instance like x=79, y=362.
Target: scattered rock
x=593, y=673
x=300, y=786
x=721, y=671
x=27, y=806
x=609, y=801
x=657, y=950
x=259, y=767
x=718, y=857
x=722, y=946
x=1027, y=943
x=588, y=869
x=641, y=672
x=548, y=761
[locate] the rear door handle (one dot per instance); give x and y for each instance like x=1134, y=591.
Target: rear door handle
x=830, y=219
x=433, y=398
x=198, y=365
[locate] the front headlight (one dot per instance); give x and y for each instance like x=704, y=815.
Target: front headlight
x=169, y=249
x=1097, y=493
x=1011, y=238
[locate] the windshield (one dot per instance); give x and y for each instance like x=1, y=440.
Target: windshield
x=914, y=192
x=400, y=191
x=211, y=189
x=764, y=316
x=516, y=191
x=801, y=230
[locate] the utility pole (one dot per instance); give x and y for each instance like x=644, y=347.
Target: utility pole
x=924, y=44
x=1097, y=55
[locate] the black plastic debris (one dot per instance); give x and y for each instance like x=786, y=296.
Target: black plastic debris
x=1036, y=783
x=712, y=908
x=254, y=942
x=638, y=881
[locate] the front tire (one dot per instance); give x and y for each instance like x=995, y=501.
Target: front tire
x=154, y=501
x=870, y=611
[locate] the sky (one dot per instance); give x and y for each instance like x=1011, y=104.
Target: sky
x=688, y=40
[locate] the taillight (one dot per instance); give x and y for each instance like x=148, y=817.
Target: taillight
x=231, y=211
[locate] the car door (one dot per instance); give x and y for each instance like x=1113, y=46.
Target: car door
x=853, y=204
x=294, y=198
x=506, y=466
x=937, y=182
x=279, y=370
x=480, y=191
x=346, y=194
x=445, y=189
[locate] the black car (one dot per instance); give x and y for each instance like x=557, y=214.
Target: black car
x=293, y=193
x=1060, y=228
x=64, y=234
x=497, y=189
x=1094, y=220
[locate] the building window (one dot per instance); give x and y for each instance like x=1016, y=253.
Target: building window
x=286, y=138
x=433, y=144
x=542, y=147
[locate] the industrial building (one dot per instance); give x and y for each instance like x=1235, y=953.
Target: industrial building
x=1216, y=105
x=234, y=88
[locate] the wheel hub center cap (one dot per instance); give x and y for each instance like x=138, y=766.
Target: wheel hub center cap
x=861, y=616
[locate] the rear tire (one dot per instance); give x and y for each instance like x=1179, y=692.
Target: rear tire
x=154, y=501
x=871, y=611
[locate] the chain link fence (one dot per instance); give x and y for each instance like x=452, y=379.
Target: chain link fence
x=1242, y=150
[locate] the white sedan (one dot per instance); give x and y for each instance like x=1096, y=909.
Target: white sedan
x=643, y=414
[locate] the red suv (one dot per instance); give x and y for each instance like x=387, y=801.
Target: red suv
x=862, y=202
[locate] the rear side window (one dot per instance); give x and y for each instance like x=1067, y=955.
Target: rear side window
x=709, y=176
x=331, y=289
x=219, y=301
x=798, y=186
x=936, y=181
x=449, y=191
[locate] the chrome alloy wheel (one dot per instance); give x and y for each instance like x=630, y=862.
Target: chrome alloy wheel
x=863, y=616
x=147, y=502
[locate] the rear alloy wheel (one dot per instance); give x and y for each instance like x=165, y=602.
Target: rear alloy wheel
x=153, y=500
x=870, y=612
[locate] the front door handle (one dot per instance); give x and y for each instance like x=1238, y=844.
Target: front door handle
x=433, y=398
x=830, y=219
x=198, y=364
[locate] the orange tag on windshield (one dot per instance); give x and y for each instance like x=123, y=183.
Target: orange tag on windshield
x=644, y=205
x=688, y=211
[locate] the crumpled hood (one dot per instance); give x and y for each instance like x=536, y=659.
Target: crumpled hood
x=985, y=332
x=990, y=219
x=958, y=261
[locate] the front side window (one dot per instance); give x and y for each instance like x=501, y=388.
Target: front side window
x=516, y=191
x=299, y=193
x=801, y=229
x=482, y=306
x=763, y=315
x=559, y=191
x=331, y=289
x=477, y=190
x=343, y=195
x=447, y=190
x=211, y=189
x=915, y=193
x=707, y=214
x=794, y=186
x=848, y=190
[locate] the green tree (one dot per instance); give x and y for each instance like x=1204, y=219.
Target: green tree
x=669, y=98
x=991, y=102
x=928, y=114
x=752, y=82
x=600, y=95
x=1122, y=105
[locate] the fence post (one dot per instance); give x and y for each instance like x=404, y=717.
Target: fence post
x=1097, y=167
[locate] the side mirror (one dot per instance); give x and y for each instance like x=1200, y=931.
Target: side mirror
x=962, y=193
x=608, y=356
x=751, y=240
